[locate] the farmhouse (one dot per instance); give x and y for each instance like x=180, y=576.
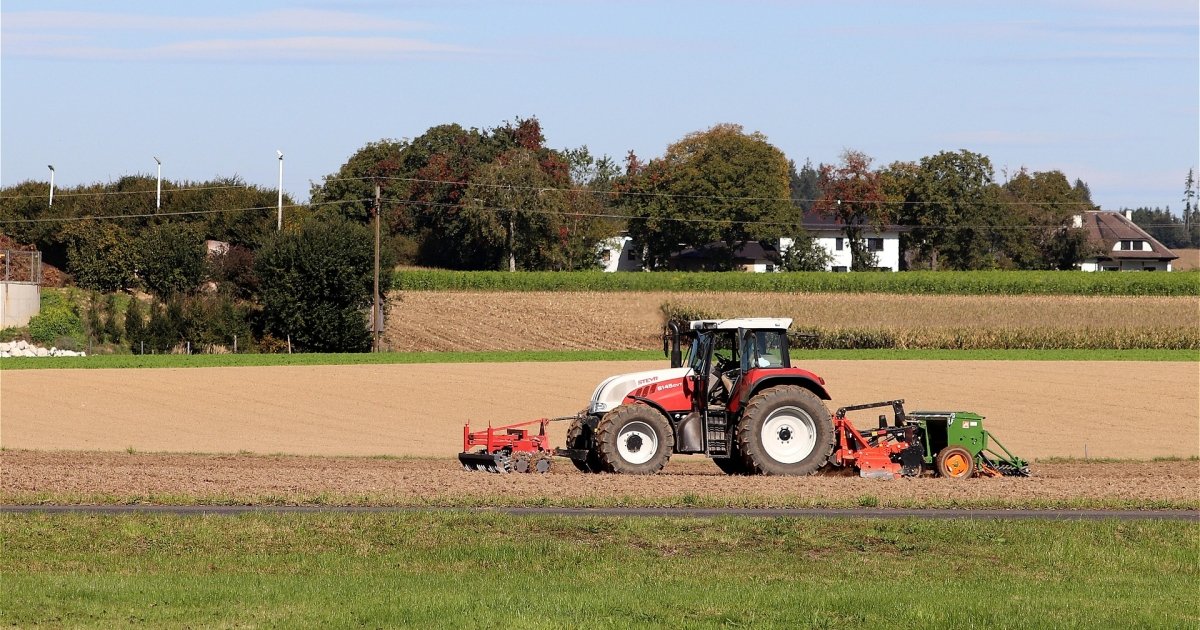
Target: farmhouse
x=1123, y=245
x=830, y=234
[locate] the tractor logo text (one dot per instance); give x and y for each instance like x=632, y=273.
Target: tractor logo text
x=666, y=386
x=647, y=380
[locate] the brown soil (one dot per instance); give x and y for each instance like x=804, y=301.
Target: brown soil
x=415, y=482
x=1037, y=408
x=450, y=320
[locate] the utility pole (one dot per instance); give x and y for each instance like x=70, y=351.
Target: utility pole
x=158, y=189
x=51, y=167
x=376, y=315
x=279, y=216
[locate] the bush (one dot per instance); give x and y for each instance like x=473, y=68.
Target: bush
x=100, y=256
x=58, y=321
x=135, y=325
x=907, y=282
x=316, y=286
x=171, y=259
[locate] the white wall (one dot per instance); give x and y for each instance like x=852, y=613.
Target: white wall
x=613, y=254
x=888, y=258
x=19, y=301
x=1092, y=264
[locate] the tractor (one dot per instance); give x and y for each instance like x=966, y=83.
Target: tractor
x=735, y=397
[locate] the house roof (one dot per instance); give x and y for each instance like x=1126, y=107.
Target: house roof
x=814, y=220
x=749, y=251
x=1108, y=228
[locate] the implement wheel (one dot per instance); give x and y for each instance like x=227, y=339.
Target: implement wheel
x=785, y=430
x=634, y=440
x=579, y=436
x=955, y=462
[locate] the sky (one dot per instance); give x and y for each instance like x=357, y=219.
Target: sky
x=1106, y=91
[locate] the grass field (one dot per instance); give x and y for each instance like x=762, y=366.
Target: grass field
x=477, y=570
x=542, y=356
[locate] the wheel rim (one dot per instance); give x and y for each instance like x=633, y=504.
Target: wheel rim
x=957, y=465
x=789, y=435
x=637, y=442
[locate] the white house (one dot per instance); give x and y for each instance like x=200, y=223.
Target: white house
x=619, y=253
x=830, y=234
x=1125, y=246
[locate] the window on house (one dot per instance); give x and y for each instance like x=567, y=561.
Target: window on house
x=875, y=244
x=1132, y=245
x=839, y=268
x=632, y=254
x=839, y=244
x=770, y=268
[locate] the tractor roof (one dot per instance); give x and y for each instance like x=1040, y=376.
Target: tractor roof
x=754, y=323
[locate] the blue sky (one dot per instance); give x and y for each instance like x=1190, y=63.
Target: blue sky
x=1104, y=90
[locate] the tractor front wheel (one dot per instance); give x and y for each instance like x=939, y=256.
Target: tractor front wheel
x=634, y=440
x=785, y=430
x=955, y=462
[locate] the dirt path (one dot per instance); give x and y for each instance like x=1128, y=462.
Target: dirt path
x=292, y=479
x=1039, y=409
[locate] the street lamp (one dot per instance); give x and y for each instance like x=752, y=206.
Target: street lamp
x=51, y=167
x=279, y=218
x=158, y=194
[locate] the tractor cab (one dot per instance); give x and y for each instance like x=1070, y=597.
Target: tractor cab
x=726, y=355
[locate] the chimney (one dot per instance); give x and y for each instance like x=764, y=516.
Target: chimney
x=1128, y=214
x=1077, y=221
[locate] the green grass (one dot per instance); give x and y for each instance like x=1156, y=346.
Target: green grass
x=908, y=282
x=478, y=570
x=798, y=357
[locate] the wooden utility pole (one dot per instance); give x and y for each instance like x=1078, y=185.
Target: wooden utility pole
x=376, y=315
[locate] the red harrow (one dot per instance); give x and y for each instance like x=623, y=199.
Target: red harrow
x=510, y=448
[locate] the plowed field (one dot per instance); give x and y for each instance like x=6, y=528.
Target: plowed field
x=1038, y=409
x=294, y=479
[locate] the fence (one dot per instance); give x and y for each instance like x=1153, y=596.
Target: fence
x=22, y=266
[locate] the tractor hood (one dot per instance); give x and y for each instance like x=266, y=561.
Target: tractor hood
x=614, y=389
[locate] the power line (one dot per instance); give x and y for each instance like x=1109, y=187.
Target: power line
x=103, y=193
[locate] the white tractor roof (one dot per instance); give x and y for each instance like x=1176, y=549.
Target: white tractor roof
x=757, y=323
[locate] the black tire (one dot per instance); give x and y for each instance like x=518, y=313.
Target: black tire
x=634, y=440
x=735, y=464
x=780, y=415
x=579, y=436
x=955, y=462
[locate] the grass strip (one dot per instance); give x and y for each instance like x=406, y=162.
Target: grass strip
x=471, y=570
x=908, y=282
x=682, y=500
x=388, y=358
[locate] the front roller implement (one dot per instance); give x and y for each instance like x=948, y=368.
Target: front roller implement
x=511, y=448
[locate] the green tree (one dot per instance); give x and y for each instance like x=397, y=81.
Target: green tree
x=171, y=259
x=1038, y=211
x=135, y=325
x=805, y=254
x=316, y=284
x=805, y=184
x=852, y=194
x=720, y=185
x=952, y=207
x=100, y=255
x=112, y=330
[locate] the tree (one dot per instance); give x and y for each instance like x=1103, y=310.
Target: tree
x=316, y=283
x=135, y=325
x=1191, y=212
x=805, y=254
x=805, y=185
x=100, y=255
x=852, y=194
x=721, y=185
x=952, y=208
x=171, y=259
x=1038, y=209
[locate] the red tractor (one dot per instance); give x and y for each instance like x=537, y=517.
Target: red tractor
x=736, y=398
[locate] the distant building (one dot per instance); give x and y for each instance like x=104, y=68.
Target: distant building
x=1125, y=246
x=830, y=234
x=619, y=253
x=753, y=256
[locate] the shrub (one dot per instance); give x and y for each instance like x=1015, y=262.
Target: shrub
x=59, y=321
x=170, y=259
x=100, y=256
x=135, y=325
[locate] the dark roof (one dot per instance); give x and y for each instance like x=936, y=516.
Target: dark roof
x=814, y=220
x=1106, y=229
x=749, y=251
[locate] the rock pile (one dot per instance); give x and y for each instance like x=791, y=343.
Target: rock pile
x=26, y=349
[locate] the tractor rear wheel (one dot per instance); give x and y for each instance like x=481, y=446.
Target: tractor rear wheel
x=634, y=440
x=580, y=436
x=785, y=430
x=955, y=462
